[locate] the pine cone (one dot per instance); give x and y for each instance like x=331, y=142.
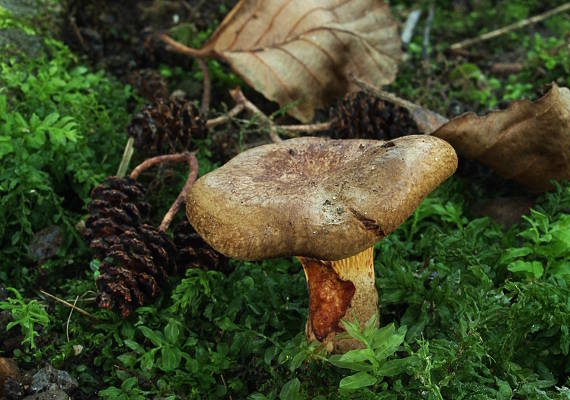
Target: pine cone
x=166, y=126
x=115, y=207
x=142, y=259
x=194, y=252
x=360, y=115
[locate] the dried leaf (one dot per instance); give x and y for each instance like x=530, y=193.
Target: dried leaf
x=305, y=50
x=528, y=142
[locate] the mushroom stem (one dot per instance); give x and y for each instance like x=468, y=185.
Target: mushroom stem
x=342, y=289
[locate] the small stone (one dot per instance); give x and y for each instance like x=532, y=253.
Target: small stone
x=51, y=378
x=52, y=394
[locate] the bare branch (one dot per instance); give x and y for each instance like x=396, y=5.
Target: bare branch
x=183, y=49
x=181, y=199
x=79, y=310
x=240, y=98
x=207, y=87
x=222, y=119
x=509, y=28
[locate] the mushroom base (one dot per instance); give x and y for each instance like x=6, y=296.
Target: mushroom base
x=343, y=289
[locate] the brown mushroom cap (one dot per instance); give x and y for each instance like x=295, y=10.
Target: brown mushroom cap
x=316, y=197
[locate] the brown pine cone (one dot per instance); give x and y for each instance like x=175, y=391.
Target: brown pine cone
x=116, y=207
x=166, y=126
x=142, y=259
x=138, y=257
x=194, y=252
x=360, y=115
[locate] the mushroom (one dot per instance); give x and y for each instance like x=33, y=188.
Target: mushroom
x=327, y=202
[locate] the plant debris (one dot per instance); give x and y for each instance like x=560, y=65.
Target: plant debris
x=361, y=115
x=528, y=142
x=166, y=126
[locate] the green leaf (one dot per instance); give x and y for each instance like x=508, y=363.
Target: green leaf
x=155, y=337
x=357, y=356
x=514, y=253
x=128, y=360
x=170, y=358
x=172, y=331
x=386, y=341
x=256, y=396
x=534, y=268
x=560, y=269
x=352, y=365
x=396, y=366
x=129, y=383
x=147, y=361
x=297, y=360
x=357, y=381
x=353, y=329
x=290, y=390
x=6, y=146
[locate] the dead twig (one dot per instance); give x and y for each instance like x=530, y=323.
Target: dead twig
x=77, y=32
x=207, y=87
x=181, y=199
x=410, y=26
x=307, y=128
x=191, y=160
x=126, y=160
x=222, y=119
x=69, y=318
x=510, y=28
x=240, y=98
x=79, y=310
x=183, y=49
x=427, y=30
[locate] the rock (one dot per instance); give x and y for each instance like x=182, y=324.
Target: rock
x=54, y=394
x=49, y=378
x=46, y=243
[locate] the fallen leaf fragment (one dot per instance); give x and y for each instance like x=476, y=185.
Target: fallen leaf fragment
x=305, y=50
x=528, y=142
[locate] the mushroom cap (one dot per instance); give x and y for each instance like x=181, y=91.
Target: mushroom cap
x=316, y=197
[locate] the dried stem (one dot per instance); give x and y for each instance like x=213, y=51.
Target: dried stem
x=77, y=32
x=509, y=28
x=308, y=128
x=240, y=98
x=126, y=160
x=69, y=318
x=150, y=162
x=222, y=119
x=180, y=200
x=207, y=87
x=79, y=310
x=191, y=160
x=183, y=49
x=427, y=30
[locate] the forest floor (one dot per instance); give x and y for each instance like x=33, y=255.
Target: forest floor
x=459, y=322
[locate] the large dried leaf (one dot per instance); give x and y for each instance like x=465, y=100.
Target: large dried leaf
x=293, y=50
x=528, y=142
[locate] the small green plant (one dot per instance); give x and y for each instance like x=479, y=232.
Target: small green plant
x=545, y=250
x=375, y=361
x=128, y=390
x=25, y=314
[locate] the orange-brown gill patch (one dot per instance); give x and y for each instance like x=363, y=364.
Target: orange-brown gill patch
x=329, y=297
